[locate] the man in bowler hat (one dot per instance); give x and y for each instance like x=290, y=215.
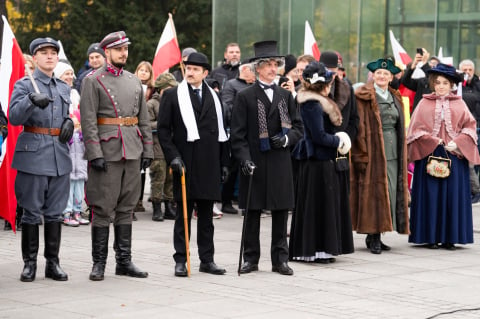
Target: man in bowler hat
x=118, y=144
x=41, y=157
x=264, y=126
x=193, y=138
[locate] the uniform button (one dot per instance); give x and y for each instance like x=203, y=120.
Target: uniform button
x=108, y=90
x=116, y=103
x=113, y=96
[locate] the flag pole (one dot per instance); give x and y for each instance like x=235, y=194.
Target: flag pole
x=170, y=20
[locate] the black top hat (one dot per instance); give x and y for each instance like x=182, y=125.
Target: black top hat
x=39, y=43
x=197, y=58
x=447, y=71
x=266, y=50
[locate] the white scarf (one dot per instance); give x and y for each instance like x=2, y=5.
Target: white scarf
x=186, y=110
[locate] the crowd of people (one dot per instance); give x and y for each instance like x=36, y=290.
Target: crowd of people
x=274, y=133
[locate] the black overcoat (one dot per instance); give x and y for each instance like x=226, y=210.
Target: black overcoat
x=272, y=185
x=203, y=158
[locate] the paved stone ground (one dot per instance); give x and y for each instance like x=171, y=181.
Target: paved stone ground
x=408, y=282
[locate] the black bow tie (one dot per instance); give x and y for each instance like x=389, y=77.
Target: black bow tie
x=266, y=87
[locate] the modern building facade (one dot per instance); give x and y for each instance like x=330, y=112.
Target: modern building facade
x=358, y=29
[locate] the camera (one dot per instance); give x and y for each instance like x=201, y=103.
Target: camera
x=420, y=51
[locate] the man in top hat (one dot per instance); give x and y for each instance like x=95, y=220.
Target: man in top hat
x=193, y=140
x=264, y=126
x=118, y=144
x=41, y=157
x=96, y=59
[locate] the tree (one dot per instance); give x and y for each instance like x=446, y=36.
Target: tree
x=79, y=23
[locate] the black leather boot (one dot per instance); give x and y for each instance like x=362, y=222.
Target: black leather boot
x=376, y=245
x=53, y=236
x=157, y=211
x=170, y=210
x=29, y=252
x=99, y=252
x=18, y=218
x=368, y=241
x=123, y=253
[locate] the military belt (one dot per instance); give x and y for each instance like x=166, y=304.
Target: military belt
x=53, y=131
x=123, y=121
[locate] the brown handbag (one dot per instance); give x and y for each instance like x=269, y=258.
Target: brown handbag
x=439, y=167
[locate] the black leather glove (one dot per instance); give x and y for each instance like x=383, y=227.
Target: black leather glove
x=278, y=141
x=99, y=164
x=40, y=99
x=247, y=167
x=177, y=164
x=225, y=173
x=66, y=131
x=145, y=163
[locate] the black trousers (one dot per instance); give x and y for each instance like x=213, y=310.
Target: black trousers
x=228, y=188
x=279, y=245
x=205, y=231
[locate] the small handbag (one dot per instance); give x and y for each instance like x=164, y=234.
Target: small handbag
x=439, y=167
x=341, y=163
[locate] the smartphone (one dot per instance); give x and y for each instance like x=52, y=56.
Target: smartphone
x=420, y=51
x=283, y=79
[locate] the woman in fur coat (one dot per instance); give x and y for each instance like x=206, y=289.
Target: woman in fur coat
x=321, y=227
x=378, y=176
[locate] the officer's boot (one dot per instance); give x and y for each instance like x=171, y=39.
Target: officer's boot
x=170, y=211
x=18, y=218
x=53, y=235
x=157, y=211
x=99, y=252
x=123, y=254
x=29, y=252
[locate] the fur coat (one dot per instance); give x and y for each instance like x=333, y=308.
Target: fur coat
x=369, y=202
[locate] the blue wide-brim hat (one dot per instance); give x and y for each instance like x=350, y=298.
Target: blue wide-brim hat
x=386, y=64
x=447, y=71
x=317, y=72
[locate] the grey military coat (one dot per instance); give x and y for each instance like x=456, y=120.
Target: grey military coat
x=40, y=154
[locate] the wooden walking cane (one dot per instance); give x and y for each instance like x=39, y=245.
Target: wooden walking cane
x=185, y=219
x=247, y=206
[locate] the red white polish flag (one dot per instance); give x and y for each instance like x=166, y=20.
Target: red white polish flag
x=168, y=51
x=12, y=69
x=399, y=52
x=310, y=45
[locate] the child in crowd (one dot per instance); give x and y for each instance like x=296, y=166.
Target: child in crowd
x=78, y=177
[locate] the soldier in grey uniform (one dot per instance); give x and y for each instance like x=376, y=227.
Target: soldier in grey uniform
x=41, y=157
x=118, y=144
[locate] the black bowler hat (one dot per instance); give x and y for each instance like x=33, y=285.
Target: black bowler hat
x=447, y=71
x=114, y=40
x=386, y=64
x=330, y=59
x=265, y=50
x=39, y=43
x=199, y=59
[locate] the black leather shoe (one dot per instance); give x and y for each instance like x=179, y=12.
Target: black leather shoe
x=449, y=246
x=29, y=271
x=181, y=270
x=131, y=270
x=211, y=268
x=283, y=269
x=376, y=245
x=98, y=272
x=227, y=208
x=248, y=267
x=55, y=272
x=368, y=242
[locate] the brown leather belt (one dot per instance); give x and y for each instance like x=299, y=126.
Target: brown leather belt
x=124, y=121
x=42, y=130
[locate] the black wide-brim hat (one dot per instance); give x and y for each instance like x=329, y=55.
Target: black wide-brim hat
x=199, y=59
x=386, y=64
x=447, y=71
x=265, y=50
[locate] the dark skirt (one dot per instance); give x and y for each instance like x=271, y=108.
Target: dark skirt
x=441, y=209
x=321, y=221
